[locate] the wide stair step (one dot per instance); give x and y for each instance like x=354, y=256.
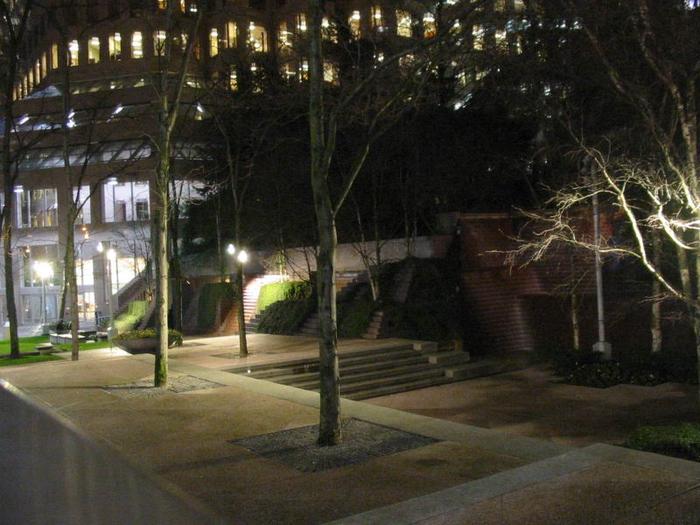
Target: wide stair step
x=382, y=370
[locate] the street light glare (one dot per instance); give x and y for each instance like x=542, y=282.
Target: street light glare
x=111, y=254
x=43, y=269
x=100, y=248
x=230, y=249
x=242, y=257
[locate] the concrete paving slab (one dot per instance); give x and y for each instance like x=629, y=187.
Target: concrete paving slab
x=473, y=472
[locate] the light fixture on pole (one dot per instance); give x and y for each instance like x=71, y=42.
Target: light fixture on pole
x=44, y=271
x=230, y=249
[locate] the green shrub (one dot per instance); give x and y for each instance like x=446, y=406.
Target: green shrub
x=354, y=316
x=285, y=317
x=174, y=337
x=681, y=441
x=641, y=368
x=286, y=290
x=212, y=295
x=134, y=314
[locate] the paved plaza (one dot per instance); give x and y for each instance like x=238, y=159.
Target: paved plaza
x=197, y=439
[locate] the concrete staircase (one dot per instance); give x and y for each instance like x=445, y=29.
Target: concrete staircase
x=402, y=285
x=345, y=284
x=251, y=293
x=377, y=371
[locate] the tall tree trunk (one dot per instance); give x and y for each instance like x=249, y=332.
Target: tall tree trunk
x=7, y=212
x=242, y=337
x=72, y=287
x=575, y=324
x=9, y=280
x=656, y=331
x=329, y=423
x=160, y=375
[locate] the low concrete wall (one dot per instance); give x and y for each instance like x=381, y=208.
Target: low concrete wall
x=301, y=261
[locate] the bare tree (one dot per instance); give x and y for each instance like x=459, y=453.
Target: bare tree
x=373, y=95
x=14, y=17
x=169, y=95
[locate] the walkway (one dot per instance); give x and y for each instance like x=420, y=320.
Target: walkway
x=468, y=473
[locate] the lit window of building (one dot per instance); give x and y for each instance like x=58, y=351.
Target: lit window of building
x=500, y=36
x=257, y=38
x=162, y=4
x=404, y=23
x=36, y=208
x=429, y=27
x=126, y=201
x=301, y=22
x=37, y=72
x=289, y=72
x=44, y=65
x=478, y=37
x=519, y=5
x=377, y=18
x=54, y=56
x=193, y=7
x=183, y=5
x=304, y=70
x=213, y=42
x=115, y=46
x=137, y=44
x=330, y=73
x=73, y=53
x=283, y=36
x=81, y=196
x=93, y=50
x=159, y=38
x=328, y=31
x=499, y=6
x=233, y=79
x=183, y=193
x=354, y=24
x=231, y=34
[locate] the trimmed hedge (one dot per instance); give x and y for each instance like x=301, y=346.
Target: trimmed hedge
x=285, y=317
x=681, y=441
x=135, y=313
x=212, y=295
x=174, y=337
x=641, y=368
x=282, y=291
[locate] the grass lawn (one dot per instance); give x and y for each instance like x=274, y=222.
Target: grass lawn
x=6, y=361
x=681, y=441
x=28, y=344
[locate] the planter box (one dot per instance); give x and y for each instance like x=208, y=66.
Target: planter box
x=147, y=345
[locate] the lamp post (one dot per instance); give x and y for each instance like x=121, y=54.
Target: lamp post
x=241, y=259
x=44, y=271
x=111, y=256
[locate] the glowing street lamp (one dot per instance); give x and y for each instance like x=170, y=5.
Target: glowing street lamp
x=241, y=258
x=44, y=271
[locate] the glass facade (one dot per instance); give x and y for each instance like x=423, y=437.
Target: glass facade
x=126, y=201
